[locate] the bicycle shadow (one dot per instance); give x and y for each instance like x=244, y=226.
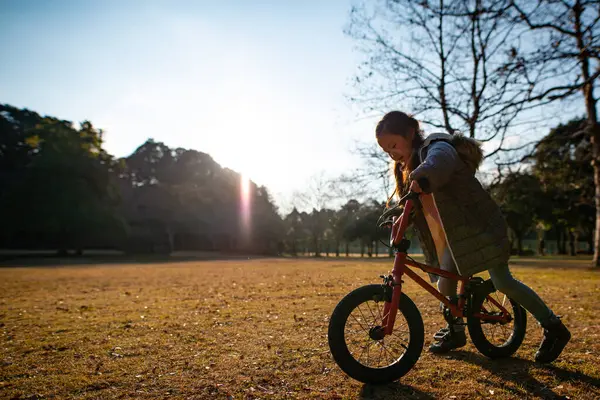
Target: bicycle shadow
x=515, y=371
x=394, y=390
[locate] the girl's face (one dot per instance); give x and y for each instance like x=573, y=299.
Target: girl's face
x=398, y=147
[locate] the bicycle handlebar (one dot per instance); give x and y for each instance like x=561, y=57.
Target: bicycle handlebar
x=395, y=212
x=409, y=196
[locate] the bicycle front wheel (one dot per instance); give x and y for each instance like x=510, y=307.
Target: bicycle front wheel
x=357, y=342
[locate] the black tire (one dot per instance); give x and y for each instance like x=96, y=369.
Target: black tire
x=408, y=319
x=497, y=340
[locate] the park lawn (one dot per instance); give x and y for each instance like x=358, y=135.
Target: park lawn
x=257, y=329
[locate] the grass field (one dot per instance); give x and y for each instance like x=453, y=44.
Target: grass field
x=258, y=329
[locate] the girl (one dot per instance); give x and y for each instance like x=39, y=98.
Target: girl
x=461, y=228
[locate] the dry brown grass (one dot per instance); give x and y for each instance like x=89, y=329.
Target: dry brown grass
x=255, y=329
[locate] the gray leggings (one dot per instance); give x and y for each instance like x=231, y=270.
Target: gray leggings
x=504, y=282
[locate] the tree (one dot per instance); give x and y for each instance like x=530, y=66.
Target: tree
x=153, y=204
x=366, y=226
x=345, y=224
x=440, y=60
x=520, y=197
x=561, y=160
x=294, y=231
x=58, y=186
x=566, y=55
x=316, y=226
x=184, y=198
x=266, y=226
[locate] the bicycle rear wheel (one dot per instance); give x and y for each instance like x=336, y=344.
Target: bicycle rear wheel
x=357, y=342
x=496, y=339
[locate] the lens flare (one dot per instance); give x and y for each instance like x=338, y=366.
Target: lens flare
x=245, y=211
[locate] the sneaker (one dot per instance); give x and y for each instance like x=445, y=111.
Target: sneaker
x=448, y=338
x=556, y=337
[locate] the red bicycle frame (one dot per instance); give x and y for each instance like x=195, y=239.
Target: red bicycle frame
x=402, y=266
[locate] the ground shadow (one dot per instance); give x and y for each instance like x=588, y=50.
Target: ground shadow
x=394, y=390
x=516, y=371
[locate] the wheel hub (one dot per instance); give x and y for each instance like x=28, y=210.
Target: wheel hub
x=376, y=333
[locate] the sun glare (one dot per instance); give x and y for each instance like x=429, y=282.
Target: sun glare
x=245, y=185
x=245, y=204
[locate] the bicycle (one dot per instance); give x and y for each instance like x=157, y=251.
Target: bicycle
x=354, y=332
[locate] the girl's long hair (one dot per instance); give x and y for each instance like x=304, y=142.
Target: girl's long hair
x=399, y=123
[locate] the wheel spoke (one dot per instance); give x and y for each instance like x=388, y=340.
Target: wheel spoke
x=400, y=337
x=373, y=315
x=366, y=348
x=498, y=333
x=351, y=331
x=358, y=322
x=387, y=352
x=361, y=313
x=395, y=349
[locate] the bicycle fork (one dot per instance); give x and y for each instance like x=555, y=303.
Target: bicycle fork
x=390, y=308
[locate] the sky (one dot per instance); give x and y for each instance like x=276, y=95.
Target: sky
x=261, y=86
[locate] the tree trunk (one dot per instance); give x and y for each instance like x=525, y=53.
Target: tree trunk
x=511, y=238
x=592, y=120
x=560, y=242
x=337, y=248
x=572, y=251
x=170, y=239
x=377, y=248
x=362, y=248
x=519, y=244
x=347, y=249
x=294, y=253
x=596, y=165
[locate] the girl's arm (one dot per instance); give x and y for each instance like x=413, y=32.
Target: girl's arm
x=437, y=167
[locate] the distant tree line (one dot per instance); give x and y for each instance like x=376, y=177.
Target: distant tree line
x=60, y=190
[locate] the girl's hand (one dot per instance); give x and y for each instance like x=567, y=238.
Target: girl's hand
x=414, y=187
